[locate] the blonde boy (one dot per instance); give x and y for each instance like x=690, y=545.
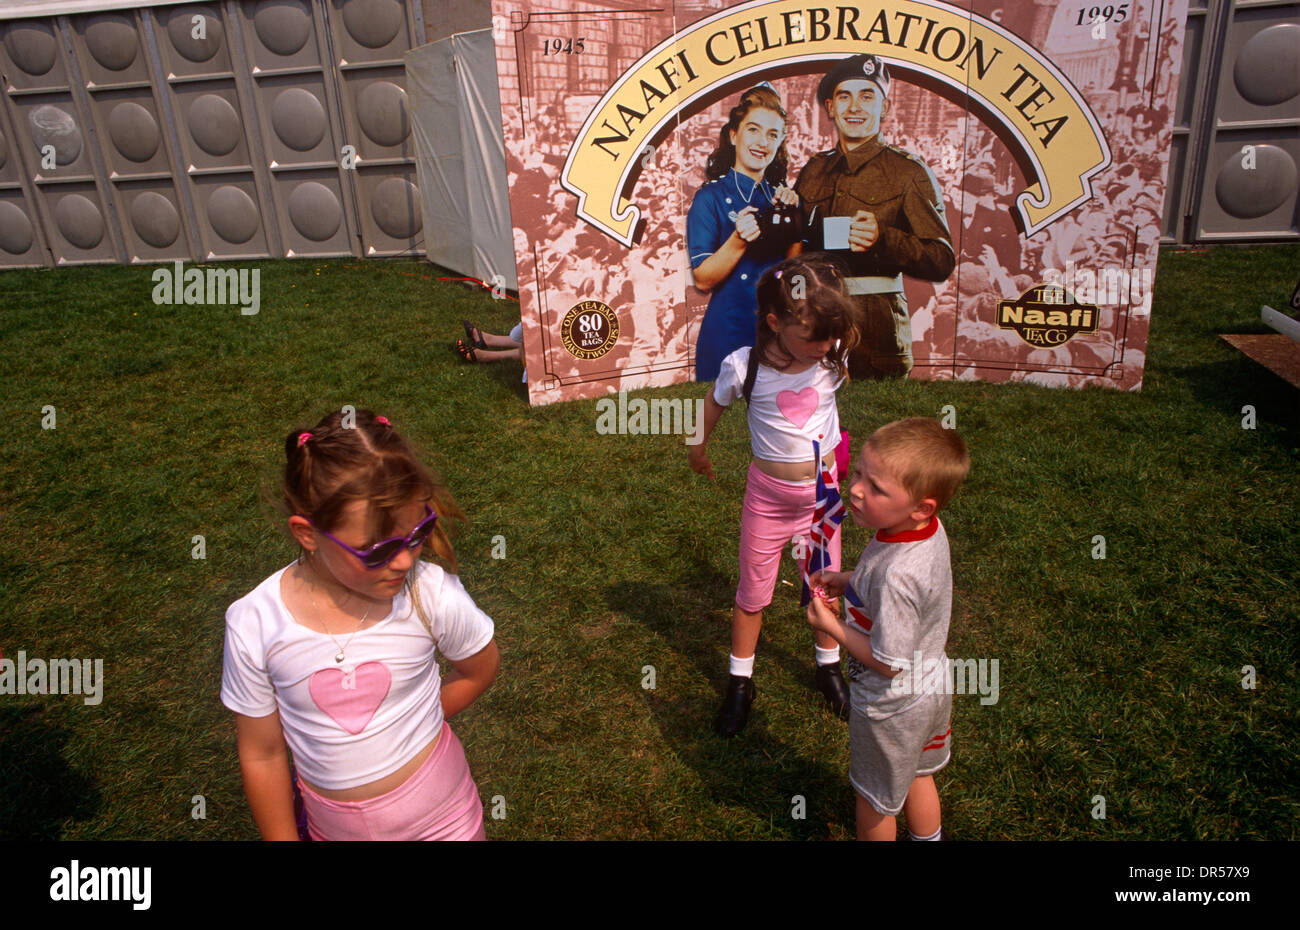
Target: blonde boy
x=902, y=587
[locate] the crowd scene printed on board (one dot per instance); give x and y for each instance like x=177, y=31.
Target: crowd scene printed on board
x=988, y=177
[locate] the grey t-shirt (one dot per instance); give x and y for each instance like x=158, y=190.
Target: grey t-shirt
x=905, y=585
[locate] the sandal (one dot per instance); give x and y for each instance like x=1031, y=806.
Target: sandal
x=475, y=335
x=466, y=352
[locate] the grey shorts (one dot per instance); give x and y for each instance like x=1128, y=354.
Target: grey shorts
x=885, y=756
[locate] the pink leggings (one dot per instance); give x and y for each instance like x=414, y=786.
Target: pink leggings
x=439, y=801
x=775, y=511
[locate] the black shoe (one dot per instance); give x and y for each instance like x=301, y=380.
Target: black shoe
x=735, y=706
x=833, y=687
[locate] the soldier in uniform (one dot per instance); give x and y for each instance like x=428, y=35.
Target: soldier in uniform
x=891, y=206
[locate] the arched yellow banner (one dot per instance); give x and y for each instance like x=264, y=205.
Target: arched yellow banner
x=1052, y=124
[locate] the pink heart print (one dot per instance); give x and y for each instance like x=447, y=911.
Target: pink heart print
x=797, y=407
x=351, y=698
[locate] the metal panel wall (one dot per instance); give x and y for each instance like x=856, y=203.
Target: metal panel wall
x=224, y=130
x=370, y=38
x=1235, y=170
x=55, y=151
x=1197, y=72
x=1250, y=184
x=302, y=126
x=131, y=123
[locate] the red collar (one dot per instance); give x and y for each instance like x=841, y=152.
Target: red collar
x=924, y=532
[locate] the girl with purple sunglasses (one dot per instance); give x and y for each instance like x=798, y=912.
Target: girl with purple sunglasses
x=332, y=659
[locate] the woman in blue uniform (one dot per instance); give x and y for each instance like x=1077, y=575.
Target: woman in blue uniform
x=733, y=234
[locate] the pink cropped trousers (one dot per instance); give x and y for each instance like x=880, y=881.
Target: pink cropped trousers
x=438, y=802
x=775, y=512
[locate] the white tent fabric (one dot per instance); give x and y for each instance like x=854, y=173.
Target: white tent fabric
x=460, y=156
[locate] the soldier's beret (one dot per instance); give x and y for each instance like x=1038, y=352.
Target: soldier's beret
x=856, y=67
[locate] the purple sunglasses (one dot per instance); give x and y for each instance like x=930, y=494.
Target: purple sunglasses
x=381, y=553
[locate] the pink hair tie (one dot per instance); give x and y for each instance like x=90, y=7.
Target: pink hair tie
x=383, y=420
x=302, y=439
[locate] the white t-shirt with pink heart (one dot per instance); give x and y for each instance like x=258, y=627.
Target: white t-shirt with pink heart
x=786, y=412
x=352, y=723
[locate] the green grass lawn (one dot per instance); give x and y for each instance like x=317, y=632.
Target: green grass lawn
x=1119, y=677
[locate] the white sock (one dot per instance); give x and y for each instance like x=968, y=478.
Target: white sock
x=932, y=838
x=742, y=667
x=827, y=656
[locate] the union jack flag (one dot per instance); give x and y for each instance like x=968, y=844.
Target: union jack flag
x=857, y=612
x=827, y=517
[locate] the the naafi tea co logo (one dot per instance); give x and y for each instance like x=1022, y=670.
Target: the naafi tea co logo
x=589, y=330
x=1047, y=315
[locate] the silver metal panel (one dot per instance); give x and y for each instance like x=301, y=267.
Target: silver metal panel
x=368, y=39
x=193, y=41
x=1251, y=186
x=205, y=71
x=136, y=150
x=1261, y=55
x=300, y=124
x=230, y=218
x=52, y=141
x=378, y=114
x=317, y=223
x=1181, y=190
x=370, y=31
x=53, y=129
x=153, y=222
x=32, y=49
x=296, y=123
x=1249, y=180
x=110, y=51
x=77, y=222
x=21, y=241
x=391, y=221
x=1171, y=215
x=131, y=132
x=211, y=122
x=207, y=130
x=284, y=34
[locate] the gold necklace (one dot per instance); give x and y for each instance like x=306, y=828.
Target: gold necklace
x=342, y=653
